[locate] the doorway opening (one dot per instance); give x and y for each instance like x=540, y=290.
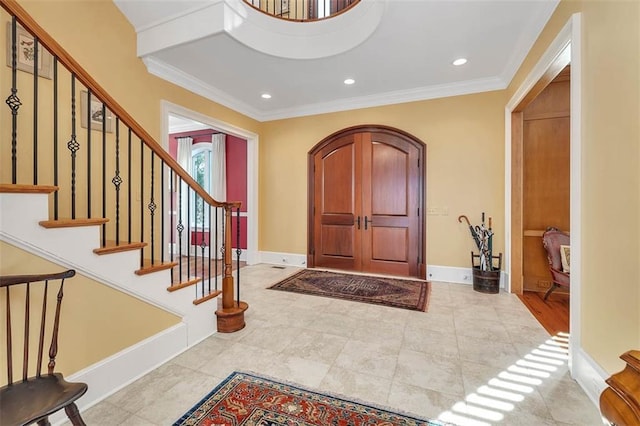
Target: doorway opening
x=241, y=166
x=564, y=50
x=541, y=140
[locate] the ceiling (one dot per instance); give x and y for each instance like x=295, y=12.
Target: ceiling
x=396, y=50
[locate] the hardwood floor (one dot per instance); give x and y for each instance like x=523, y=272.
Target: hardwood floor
x=553, y=313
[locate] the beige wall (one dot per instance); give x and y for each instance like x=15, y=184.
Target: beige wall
x=102, y=41
x=96, y=321
x=464, y=136
x=610, y=293
x=465, y=155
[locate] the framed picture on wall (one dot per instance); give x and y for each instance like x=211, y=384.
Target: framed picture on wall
x=25, y=53
x=91, y=109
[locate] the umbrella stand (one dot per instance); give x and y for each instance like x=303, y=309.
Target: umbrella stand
x=486, y=275
x=486, y=281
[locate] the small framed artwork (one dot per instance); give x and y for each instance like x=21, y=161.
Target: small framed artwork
x=25, y=53
x=91, y=109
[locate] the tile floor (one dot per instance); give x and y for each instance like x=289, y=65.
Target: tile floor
x=472, y=359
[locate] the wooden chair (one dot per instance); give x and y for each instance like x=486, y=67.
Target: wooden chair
x=552, y=239
x=33, y=399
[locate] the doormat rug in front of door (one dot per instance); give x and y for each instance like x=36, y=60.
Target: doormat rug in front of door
x=398, y=293
x=248, y=399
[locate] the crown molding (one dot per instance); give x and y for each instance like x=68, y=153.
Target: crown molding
x=186, y=81
x=389, y=98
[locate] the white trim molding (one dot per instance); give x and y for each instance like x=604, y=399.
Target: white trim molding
x=250, y=255
x=447, y=274
x=284, y=259
x=569, y=39
x=589, y=375
x=111, y=374
x=457, y=275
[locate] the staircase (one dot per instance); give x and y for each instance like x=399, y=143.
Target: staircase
x=83, y=185
x=74, y=247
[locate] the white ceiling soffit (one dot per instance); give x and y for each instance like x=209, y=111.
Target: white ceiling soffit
x=178, y=124
x=396, y=50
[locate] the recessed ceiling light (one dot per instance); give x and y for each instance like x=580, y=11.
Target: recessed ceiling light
x=266, y=96
x=349, y=81
x=460, y=61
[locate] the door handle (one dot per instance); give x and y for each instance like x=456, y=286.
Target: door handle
x=366, y=221
x=358, y=222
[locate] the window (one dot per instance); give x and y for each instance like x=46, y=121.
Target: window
x=201, y=173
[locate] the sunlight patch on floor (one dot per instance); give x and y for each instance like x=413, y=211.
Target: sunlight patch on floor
x=501, y=394
x=498, y=393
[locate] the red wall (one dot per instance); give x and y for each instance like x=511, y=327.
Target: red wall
x=236, y=152
x=237, y=170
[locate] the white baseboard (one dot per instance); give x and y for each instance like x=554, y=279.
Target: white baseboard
x=449, y=274
x=589, y=375
x=285, y=259
x=458, y=275
x=108, y=376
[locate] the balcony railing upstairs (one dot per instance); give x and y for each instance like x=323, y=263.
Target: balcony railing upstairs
x=302, y=10
x=62, y=133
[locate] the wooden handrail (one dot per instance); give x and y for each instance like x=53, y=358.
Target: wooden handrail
x=65, y=58
x=231, y=316
x=7, y=280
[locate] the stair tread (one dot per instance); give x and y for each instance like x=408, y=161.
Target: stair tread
x=148, y=268
x=209, y=296
x=8, y=188
x=184, y=284
x=70, y=223
x=112, y=247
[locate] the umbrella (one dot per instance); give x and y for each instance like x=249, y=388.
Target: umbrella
x=483, y=238
x=475, y=236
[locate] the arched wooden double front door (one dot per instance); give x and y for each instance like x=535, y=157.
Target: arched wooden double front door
x=366, y=202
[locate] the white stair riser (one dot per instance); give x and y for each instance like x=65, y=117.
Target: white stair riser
x=20, y=215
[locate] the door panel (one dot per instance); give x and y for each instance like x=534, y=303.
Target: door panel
x=338, y=172
x=388, y=180
x=389, y=244
x=337, y=203
x=337, y=240
x=391, y=195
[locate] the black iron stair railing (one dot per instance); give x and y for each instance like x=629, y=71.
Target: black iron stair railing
x=137, y=185
x=302, y=10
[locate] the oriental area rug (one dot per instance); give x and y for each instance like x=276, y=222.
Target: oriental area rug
x=397, y=293
x=251, y=400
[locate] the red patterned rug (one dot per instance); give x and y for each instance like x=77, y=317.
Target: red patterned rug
x=398, y=293
x=247, y=399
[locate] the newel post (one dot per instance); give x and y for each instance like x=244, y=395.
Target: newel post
x=231, y=314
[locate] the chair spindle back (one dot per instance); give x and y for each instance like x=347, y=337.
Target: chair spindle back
x=13, y=281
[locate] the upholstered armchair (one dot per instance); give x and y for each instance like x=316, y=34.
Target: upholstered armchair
x=552, y=240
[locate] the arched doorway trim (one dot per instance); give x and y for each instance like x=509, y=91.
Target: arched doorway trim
x=416, y=189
